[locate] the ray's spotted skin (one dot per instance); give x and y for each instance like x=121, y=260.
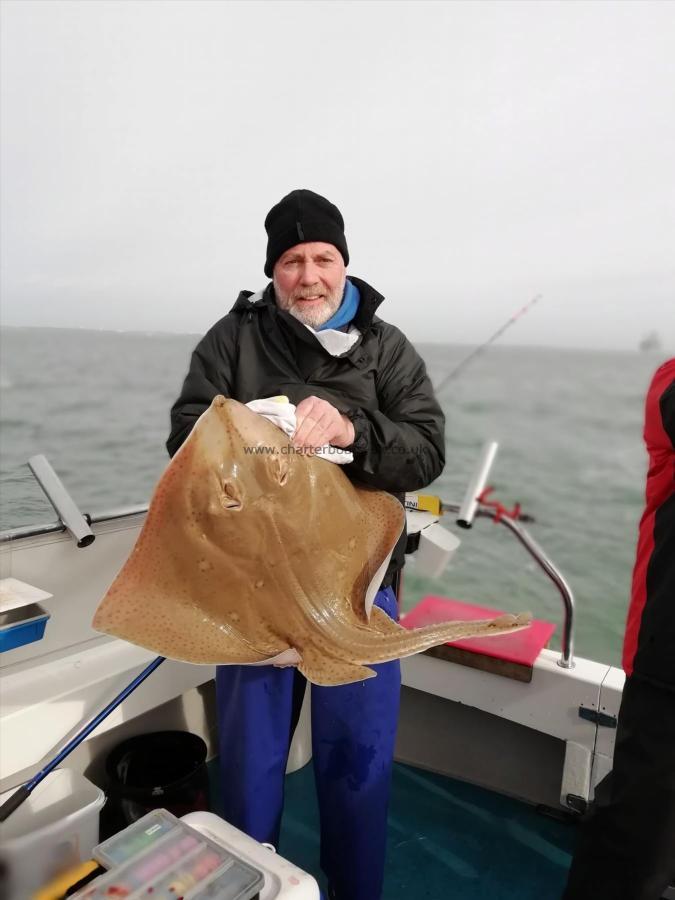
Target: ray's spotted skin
x=250, y=550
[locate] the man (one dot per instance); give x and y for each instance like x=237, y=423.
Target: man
x=358, y=384
x=626, y=849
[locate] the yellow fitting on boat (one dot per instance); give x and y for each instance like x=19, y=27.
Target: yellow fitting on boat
x=57, y=888
x=424, y=503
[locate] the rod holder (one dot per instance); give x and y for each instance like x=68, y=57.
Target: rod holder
x=469, y=505
x=60, y=499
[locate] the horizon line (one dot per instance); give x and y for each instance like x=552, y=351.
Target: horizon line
x=428, y=342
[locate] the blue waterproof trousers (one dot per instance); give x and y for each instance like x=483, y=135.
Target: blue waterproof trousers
x=353, y=734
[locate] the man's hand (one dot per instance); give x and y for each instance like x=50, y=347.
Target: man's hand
x=319, y=423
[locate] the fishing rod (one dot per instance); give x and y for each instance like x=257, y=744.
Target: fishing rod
x=22, y=793
x=500, y=331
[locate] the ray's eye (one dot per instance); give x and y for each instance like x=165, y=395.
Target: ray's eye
x=229, y=496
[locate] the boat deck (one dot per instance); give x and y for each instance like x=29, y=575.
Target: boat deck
x=447, y=839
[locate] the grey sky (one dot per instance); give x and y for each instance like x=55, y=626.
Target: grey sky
x=480, y=152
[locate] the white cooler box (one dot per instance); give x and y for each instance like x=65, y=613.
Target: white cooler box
x=54, y=829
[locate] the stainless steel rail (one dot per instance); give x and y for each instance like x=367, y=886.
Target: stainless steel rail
x=27, y=531
x=536, y=552
x=471, y=507
x=566, y=660
x=121, y=513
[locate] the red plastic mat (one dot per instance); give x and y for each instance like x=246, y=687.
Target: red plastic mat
x=521, y=647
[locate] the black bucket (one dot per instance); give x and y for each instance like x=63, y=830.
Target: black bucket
x=162, y=770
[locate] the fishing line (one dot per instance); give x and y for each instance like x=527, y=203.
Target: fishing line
x=467, y=359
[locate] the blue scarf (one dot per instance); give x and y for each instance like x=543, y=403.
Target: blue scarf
x=346, y=310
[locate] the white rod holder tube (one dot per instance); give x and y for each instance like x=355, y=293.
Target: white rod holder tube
x=467, y=510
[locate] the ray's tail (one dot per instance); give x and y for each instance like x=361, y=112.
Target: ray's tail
x=383, y=640
x=398, y=642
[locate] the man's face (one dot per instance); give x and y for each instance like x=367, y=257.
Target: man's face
x=309, y=280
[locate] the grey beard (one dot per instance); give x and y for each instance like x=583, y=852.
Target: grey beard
x=314, y=318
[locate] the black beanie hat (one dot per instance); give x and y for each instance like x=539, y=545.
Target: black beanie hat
x=299, y=217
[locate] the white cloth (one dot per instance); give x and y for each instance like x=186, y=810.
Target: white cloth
x=334, y=341
x=281, y=413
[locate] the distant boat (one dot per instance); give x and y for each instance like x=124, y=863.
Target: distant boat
x=651, y=343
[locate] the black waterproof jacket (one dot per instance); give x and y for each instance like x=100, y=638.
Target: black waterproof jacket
x=381, y=384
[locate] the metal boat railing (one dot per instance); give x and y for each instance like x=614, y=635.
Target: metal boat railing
x=471, y=506
x=27, y=531
x=566, y=660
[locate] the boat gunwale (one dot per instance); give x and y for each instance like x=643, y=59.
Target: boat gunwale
x=28, y=531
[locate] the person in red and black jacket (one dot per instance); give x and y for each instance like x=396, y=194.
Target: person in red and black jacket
x=626, y=848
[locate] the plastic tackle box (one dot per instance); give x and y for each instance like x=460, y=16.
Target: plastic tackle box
x=161, y=858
